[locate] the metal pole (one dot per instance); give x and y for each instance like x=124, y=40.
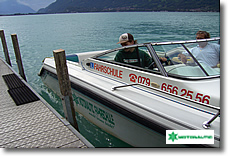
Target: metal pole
x=5, y=48
x=18, y=55
x=65, y=87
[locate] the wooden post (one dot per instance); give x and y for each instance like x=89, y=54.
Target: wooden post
x=18, y=55
x=4, y=45
x=65, y=87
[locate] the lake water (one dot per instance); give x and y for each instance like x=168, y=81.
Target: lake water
x=39, y=35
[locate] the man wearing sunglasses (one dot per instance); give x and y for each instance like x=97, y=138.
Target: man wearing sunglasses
x=204, y=52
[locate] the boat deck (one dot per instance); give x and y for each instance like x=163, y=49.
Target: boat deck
x=27, y=121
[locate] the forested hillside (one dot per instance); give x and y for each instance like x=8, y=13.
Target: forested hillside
x=70, y=6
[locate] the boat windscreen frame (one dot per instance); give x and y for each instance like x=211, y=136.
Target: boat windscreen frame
x=187, y=42
x=145, y=45
x=155, y=57
x=195, y=60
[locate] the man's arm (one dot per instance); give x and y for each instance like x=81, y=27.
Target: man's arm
x=183, y=58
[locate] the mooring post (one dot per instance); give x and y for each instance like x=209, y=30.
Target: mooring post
x=18, y=55
x=5, y=48
x=65, y=86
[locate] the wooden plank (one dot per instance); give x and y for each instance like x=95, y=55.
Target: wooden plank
x=5, y=48
x=65, y=87
x=18, y=55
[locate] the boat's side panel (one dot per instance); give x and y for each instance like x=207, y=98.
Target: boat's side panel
x=111, y=121
x=205, y=90
x=114, y=122
x=117, y=124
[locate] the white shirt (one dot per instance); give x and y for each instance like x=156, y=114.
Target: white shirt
x=209, y=55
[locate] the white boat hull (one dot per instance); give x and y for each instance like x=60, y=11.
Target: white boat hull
x=113, y=122
x=139, y=104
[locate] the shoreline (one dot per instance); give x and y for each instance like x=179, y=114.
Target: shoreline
x=22, y=14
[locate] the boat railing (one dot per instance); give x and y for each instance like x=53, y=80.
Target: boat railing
x=139, y=84
x=184, y=42
x=205, y=125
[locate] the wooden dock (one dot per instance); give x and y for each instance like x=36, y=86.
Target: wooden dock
x=31, y=122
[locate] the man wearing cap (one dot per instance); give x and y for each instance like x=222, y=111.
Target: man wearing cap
x=132, y=56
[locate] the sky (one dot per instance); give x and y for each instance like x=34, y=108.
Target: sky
x=35, y=4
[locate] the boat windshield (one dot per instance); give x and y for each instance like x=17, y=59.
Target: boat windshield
x=190, y=60
x=179, y=59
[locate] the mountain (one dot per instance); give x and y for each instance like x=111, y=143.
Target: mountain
x=13, y=7
x=70, y=6
x=36, y=4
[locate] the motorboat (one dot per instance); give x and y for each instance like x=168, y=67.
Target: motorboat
x=138, y=104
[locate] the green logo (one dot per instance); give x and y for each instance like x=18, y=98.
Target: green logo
x=188, y=136
x=173, y=136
